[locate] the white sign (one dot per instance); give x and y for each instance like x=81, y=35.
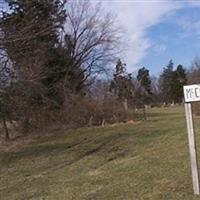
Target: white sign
x=192, y=147
x=191, y=93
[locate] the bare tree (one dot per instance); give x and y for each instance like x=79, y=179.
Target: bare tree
x=193, y=74
x=92, y=38
x=193, y=77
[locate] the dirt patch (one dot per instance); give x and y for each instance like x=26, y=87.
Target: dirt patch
x=125, y=123
x=133, y=122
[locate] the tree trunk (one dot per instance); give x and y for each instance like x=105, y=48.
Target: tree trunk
x=25, y=126
x=103, y=122
x=125, y=104
x=90, y=121
x=144, y=113
x=7, y=137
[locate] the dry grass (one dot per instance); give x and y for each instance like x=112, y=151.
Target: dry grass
x=148, y=160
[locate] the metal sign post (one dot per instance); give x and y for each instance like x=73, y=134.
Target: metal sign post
x=192, y=94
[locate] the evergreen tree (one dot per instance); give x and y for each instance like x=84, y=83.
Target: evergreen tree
x=122, y=84
x=178, y=81
x=31, y=28
x=30, y=32
x=171, y=83
x=31, y=38
x=143, y=92
x=144, y=79
x=166, y=80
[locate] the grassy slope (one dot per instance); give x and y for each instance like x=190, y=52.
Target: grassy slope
x=145, y=161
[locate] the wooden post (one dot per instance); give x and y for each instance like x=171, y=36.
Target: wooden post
x=7, y=136
x=192, y=147
x=144, y=113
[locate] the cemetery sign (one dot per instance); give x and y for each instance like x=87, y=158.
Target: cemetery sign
x=192, y=94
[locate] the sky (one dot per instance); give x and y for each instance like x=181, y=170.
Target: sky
x=156, y=31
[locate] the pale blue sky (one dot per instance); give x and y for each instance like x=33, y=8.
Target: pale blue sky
x=157, y=31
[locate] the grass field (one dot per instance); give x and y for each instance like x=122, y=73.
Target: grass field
x=149, y=160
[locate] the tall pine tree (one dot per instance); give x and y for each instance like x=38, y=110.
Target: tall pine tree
x=31, y=38
x=122, y=84
x=171, y=83
x=165, y=82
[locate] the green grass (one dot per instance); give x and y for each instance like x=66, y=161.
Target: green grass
x=149, y=160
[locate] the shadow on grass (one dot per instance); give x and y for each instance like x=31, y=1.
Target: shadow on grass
x=111, y=146
x=34, y=151
x=80, y=149
x=107, y=148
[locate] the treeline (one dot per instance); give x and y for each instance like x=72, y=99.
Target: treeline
x=52, y=55
x=141, y=89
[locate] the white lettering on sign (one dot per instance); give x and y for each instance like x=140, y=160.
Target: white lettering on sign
x=191, y=93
